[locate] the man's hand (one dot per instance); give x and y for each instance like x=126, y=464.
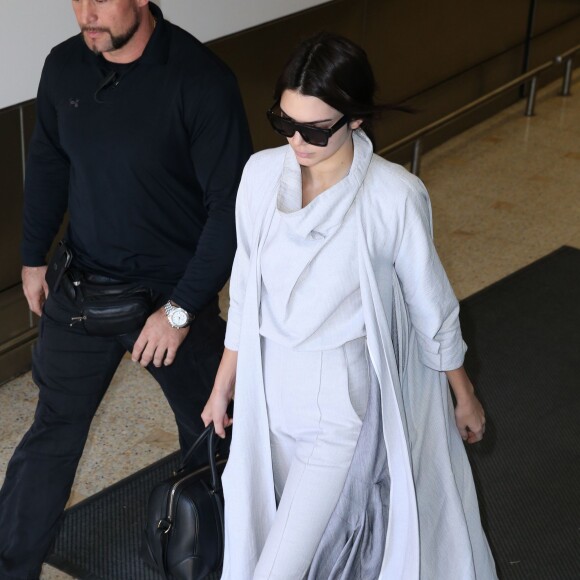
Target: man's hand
x=158, y=341
x=35, y=287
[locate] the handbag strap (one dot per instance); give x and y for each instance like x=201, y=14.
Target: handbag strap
x=216, y=480
x=212, y=442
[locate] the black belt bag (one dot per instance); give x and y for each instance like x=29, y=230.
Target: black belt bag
x=106, y=306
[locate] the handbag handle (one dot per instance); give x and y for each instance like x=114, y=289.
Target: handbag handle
x=212, y=442
x=216, y=480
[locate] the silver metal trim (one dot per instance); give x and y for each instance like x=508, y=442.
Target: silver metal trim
x=531, y=76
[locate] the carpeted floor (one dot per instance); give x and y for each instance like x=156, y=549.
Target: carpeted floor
x=101, y=536
x=524, y=356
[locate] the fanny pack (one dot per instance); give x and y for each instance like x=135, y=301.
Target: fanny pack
x=106, y=306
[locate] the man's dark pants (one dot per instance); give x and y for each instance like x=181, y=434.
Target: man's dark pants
x=73, y=371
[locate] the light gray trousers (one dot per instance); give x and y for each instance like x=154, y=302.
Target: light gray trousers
x=316, y=401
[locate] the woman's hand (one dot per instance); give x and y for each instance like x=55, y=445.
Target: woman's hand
x=469, y=414
x=222, y=393
x=215, y=411
x=470, y=419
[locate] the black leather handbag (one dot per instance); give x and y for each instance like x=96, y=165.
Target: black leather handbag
x=184, y=534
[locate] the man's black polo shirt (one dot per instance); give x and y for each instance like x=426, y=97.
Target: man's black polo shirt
x=146, y=157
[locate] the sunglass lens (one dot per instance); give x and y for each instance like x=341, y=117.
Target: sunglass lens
x=283, y=126
x=314, y=137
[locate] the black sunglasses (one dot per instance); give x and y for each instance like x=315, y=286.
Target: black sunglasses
x=313, y=135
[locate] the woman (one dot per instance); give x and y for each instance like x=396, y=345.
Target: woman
x=342, y=338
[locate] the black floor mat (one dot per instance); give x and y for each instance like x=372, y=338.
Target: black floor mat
x=524, y=356
x=100, y=537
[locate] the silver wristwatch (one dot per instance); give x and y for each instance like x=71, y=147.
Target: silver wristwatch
x=178, y=317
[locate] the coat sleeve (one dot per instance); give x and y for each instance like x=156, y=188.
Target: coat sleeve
x=433, y=307
x=241, y=266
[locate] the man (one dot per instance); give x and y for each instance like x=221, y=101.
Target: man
x=142, y=136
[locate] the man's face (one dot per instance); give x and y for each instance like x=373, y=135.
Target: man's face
x=107, y=25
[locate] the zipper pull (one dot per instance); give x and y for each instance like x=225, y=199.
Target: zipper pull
x=75, y=319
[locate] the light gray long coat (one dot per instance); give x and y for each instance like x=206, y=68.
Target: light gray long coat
x=415, y=499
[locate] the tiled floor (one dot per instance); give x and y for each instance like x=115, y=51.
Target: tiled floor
x=504, y=194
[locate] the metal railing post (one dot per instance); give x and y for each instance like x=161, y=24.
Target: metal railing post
x=416, y=162
x=532, y=97
x=567, y=81
x=528, y=42
x=416, y=137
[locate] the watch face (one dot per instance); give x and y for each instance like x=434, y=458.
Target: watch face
x=179, y=317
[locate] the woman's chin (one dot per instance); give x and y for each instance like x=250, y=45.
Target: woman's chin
x=305, y=159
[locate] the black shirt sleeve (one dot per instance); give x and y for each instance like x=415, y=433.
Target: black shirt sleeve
x=220, y=146
x=47, y=178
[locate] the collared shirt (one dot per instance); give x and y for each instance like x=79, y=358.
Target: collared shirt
x=147, y=162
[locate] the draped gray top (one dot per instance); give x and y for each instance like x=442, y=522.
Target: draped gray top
x=310, y=284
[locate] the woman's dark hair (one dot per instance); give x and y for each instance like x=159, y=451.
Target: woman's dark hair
x=337, y=71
